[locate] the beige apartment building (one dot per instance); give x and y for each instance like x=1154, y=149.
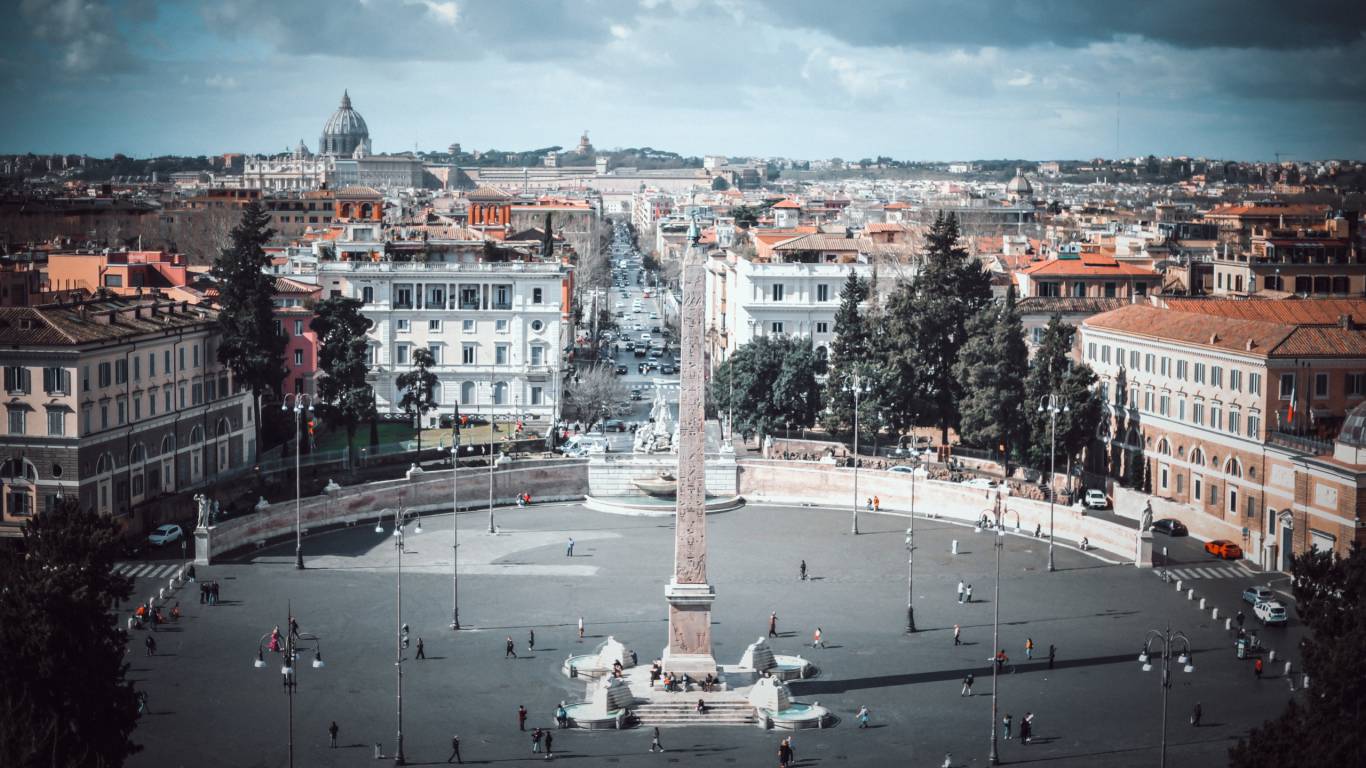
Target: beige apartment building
x=1241, y=421
x=117, y=401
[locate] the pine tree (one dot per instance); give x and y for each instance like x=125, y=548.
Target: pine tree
x=992, y=367
x=249, y=343
x=1055, y=372
x=347, y=398
x=774, y=382
x=66, y=701
x=849, y=351
x=927, y=322
x=417, y=387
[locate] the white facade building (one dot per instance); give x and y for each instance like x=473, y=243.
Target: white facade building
x=747, y=299
x=495, y=329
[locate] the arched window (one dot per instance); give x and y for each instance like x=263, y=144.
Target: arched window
x=104, y=464
x=436, y=391
x=1197, y=457
x=346, y=210
x=20, y=480
x=500, y=393
x=1233, y=468
x=196, y=435
x=1164, y=447
x=138, y=455
x=467, y=393
x=136, y=474
x=366, y=210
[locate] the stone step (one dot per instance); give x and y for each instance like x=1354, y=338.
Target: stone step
x=683, y=713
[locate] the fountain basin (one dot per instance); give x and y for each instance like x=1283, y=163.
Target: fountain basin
x=581, y=715
x=795, y=716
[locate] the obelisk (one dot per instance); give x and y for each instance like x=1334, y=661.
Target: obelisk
x=688, y=593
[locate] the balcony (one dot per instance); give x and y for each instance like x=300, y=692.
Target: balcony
x=1302, y=443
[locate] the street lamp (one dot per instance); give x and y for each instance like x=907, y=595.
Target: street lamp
x=455, y=509
x=293, y=645
x=493, y=392
x=1053, y=410
x=858, y=386
x=910, y=559
x=999, y=545
x=399, y=634
x=1167, y=642
x=301, y=402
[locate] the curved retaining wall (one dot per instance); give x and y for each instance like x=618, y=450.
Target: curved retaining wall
x=544, y=479
x=799, y=483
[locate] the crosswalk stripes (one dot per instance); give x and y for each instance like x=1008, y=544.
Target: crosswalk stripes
x=146, y=570
x=1207, y=572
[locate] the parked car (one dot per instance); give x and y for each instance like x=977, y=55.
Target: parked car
x=979, y=482
x=636, y=395
x=1095, y=499
x=622, y=370
x=1270, y=612
x=1170, y=526
x=1258, y=594
x=165, y=534
x=1224, y=549
x=904, y=469
x=614, y=425
x=666, y=369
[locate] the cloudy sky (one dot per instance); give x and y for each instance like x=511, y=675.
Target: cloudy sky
x=913, y=79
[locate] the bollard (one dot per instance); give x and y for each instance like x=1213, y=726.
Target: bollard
x=378, y=754
x=954, y=549
x=161, y=594
x=1190, y=594
x=1271, y=656
x=1215, y=614
x=1228, y=624
x=1178, y=585
x=1202, y=603
x=130, y=623
x=172, y=583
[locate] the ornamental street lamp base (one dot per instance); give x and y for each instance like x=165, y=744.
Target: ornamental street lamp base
x=299, y=558
x=910, y=620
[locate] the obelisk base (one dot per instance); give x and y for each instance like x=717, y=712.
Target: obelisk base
x=689, y=649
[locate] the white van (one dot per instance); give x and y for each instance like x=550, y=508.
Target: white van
x=581, y=445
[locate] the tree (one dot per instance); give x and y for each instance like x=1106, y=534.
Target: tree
x=1055, y=372
x=347, y=398
x=848, y=352
x=992, y=367
x=1325, y=727
x=249, y=343
x=927, y=320
x=745, y=216
x=596, y=393
x=719, y=183
x=773, y=379
x=417, y=386
x=67, y=700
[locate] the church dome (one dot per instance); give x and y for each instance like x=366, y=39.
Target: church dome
x=345, y=130
x=1019, y=186
x=1353, y=431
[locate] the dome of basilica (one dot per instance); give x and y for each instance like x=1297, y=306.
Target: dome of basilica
x=345, y=131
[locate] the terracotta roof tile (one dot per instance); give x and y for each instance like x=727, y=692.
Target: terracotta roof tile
x=1292, y=311
x=1084, y=268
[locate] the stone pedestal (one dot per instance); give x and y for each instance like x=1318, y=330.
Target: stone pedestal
x=1143, y=556
x=202, y=540
x=689, y=649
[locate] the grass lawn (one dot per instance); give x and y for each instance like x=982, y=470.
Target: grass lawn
x=389, y=432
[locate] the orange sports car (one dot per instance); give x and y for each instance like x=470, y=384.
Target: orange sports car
x=1224, y=549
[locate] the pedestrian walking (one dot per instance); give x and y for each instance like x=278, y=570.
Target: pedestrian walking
x=1195, y=715
x=1029, y=648
x=455, y=750
x=816, y=640
x=1240, y=618
x=293, y=627
x=784, y=754
x=531, y=639
x=655, y=746
x=1027, y=728
x=580, y=629
x=967, y=686
x=569, y=549
x=332, y=733
x=877, y=504
x=536, y=737
x=957, y=635
x=802, y=568
x=1287, y=672
x=1257, y=668
x=421, y=652
x=142, y=702
x=961, y=589
x=510, y=651
x=549, y=745
x=1001, y=659
x=521, y=717
x=869, y=503
x=968, y=593
x=1051, y=653
x=862, y=716
x=773, y=624
x=151, y=644
x=1005, y=726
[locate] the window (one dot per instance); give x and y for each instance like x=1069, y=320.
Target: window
x=502, y=297
x=467, y=326
x=56, y=423
x=367, y=295
x=1148, y=400
x=822, y=292
x=122, y=407
x=776, y=328
x=403, y=297
x=403, y=325
x=1197, y=485
x=825, y=328
x=1287, y=385
x=1036, y=335
x=113, y=281
x=1355, y=384
x=537, y=355
x=17, y=421
x=500, y=393
x=1110, y=290
x=298, y=357
x=85, y=418
x=467, y=393
x=434, y=326
x=194, y=349
x=1216, y=416
x=1091, y=351
x=778, y=292
x=1320, y=385
x=535, y=295
x=120, y=371
x=537, y=326
x=1166, y=366
x=435, y=349
x=181, y=352
x=469, y=296
x=1181, y=369
x=1254, y=426
x=1198, y=412
x=1216, y=376
x=137, y=408
x=166, y=361
x=56, y=381
x=1254, y=383
x=1199, y=373
x=1148, y=361
x=500, y=354
x=1235, y=421
x=467, y=354
x=1133, y=360
x=151, y=363
x=1181, y=408
x=181, y=393
x=501, y=326
x=298, y=327
x=152, y=403
x=105, y=375
x=1105, y=354
x=436, y=297
x=168, y=406
x=1163, y=404
x=104, y=415
x=137, y=369
x=536, y=396
x=400, y=354
x=1235, y=380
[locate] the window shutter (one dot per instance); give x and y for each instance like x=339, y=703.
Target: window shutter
x=9, y=378
x=48, y=381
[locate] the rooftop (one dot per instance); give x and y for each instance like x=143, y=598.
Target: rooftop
x=96, y=321
x=1259, y=338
